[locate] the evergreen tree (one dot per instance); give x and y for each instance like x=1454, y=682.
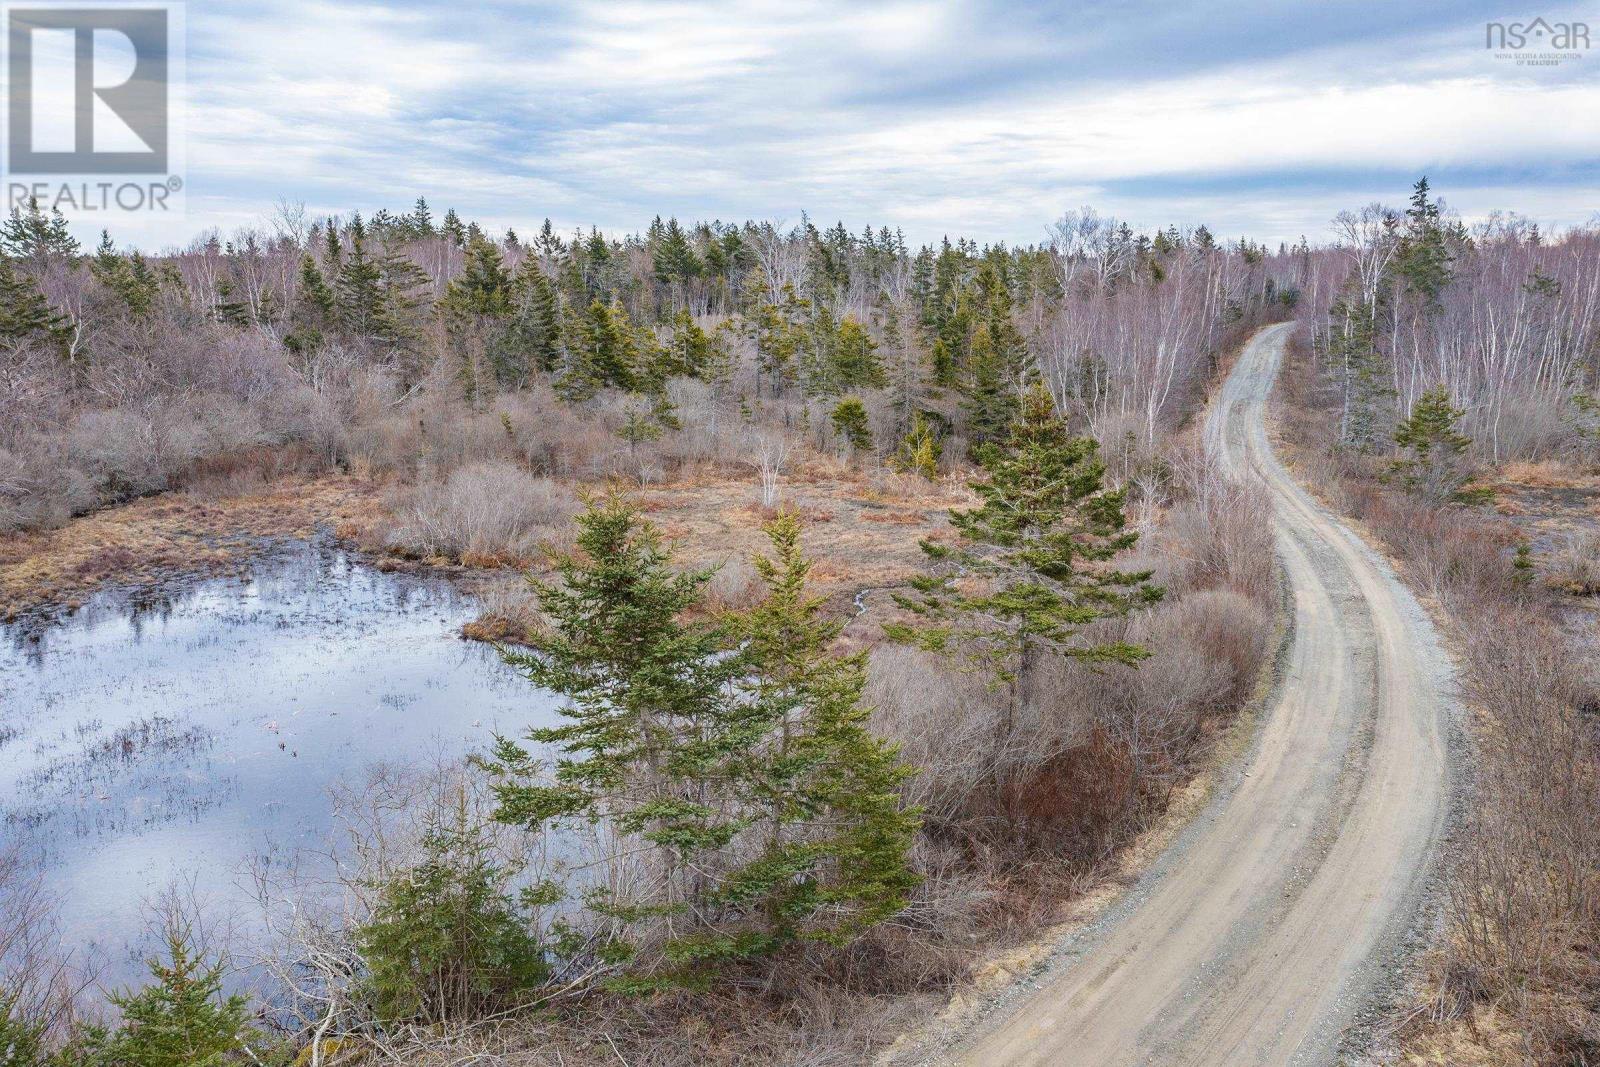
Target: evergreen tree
x=453, y=229
x=535, y=326
x=35, y=237
x=1038, y=544
x=641, y=426
x=1362, y=373
x=737, y=753
x=855, y=361
x=137, y=285
x=229, y=310
x=450, y=938
x=422, y=219
x=942, y=363
x=688, y=351
x=674, y=258
x=850, y=422
x=991, y=399
x=484, y=286
x=129, y=278
x=474, y=308
x=920, y=450
x=602, y=352
x=331, y=251
x=358, y=288
x=778, y=340
x=181, y=1019
x=22, y=1040
x=904, y=370
x=24, y=311
x=316, y=311
x=835, y=837
x=1435, y=449
x=1425, y=254
x=406, y=291
x=549, y=246
x=646, y=724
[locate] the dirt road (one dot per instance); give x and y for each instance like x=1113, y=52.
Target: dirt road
x=1278, y=912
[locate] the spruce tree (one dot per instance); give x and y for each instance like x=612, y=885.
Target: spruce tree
x=182, y=1019
x=549, y=246
x=674, y=258
x=22, y=1039
x=999, y=360
x=991, y=400
x=474, y=308
x=640, y=426
x=231, y=311
x=24, y=311
x=647, y=719
x=138, y=285
x=1425, y=255
x=849, y=418
x=315, y=312
x=1362, y=372
x=920, y=449
x=406, y=289
x=422, y=219
x=484, y=286
x=359, y=287
x=1039, y=548
x=129, y=278
x=778, y=340
x=855, y=362
x=450, y=937
x=834, y=837
x=736, y=754
x=1433, y=465
x=904, y=370
x=35, y=237
x=688, y=351
x=535, y=326
x=453, y=229
x=603, y=352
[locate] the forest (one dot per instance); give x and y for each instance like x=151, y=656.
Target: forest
x=788, y=812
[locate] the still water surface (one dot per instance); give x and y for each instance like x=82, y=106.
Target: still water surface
x=191, y=740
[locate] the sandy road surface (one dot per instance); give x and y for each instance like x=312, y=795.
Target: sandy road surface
x=1273, y=919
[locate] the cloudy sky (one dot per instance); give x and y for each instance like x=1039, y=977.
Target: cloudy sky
x=936, y=116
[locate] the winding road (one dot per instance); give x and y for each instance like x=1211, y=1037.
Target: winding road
x=1284, y=907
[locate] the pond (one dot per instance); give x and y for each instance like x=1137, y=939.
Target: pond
x=192, y=739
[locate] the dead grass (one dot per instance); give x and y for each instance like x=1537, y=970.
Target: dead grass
x=1543, y=474
x=172, y=535
x=858, y=541
x=1575, y=562
x=1515, y=977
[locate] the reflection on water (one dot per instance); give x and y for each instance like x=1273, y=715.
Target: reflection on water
x=191, y=737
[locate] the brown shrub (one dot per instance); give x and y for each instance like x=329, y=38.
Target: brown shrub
x=485, y=514
x=1525, y=897
x=1575, y=563
x=942, y=719
x=509, y=614
x=1455, y=553
x=1220, y=535
x=734, y=587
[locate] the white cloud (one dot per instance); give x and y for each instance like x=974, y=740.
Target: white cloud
x=936, y=115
